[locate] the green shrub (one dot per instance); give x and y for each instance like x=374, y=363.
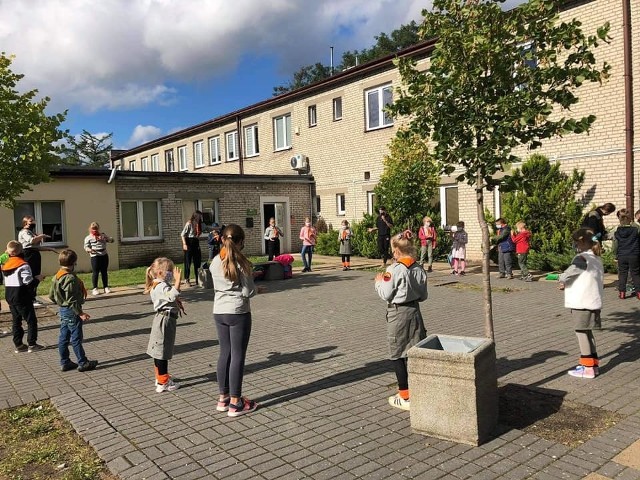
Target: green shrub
x=327, y=243
x=364, y=244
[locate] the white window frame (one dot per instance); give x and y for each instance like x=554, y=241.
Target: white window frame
x=132, y=165
x=36, y=211
x=251, y=144
x=231, y=145
x=198, y=157
x=383, y=119
x=282, y=132
x=155, y=162
x=189, y=206
x=341, y=204
x=214, y=150
x=182, y=158
x=370, y=201
x=144, y=164
x=337, y=108
x=169, y=161
x=443, y=203
x=140, y=219
x=312, y=114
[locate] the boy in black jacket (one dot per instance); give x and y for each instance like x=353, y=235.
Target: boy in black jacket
x=626, y=248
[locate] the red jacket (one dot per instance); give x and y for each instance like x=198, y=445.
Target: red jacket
x=521, y=241
x=429, y=234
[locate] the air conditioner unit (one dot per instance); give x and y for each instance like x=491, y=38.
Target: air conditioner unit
x=299, y=162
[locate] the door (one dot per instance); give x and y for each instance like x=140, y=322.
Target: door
x=278, y=210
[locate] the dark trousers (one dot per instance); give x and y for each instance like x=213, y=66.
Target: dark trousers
x=34, y=259
x=70, y=333
x=402, y=375
x=307, y=256
x=26, y=312
x=384, y=246
x=346, y=258
x=505, y=260
x=99, y=266
x=273, y=248
x=628, y=264
x=192, y=254
x=234, y=331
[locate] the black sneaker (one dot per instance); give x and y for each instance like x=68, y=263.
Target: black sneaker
x=35, y=348
x=21, y=348
x=88, y=365
x=69, y=366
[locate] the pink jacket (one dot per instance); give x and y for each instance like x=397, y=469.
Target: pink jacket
x=308, y=235
x=425, y=234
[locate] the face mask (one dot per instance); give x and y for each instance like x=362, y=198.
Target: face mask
x=427, y=224
x=32, y=227
x=307, y=224
x=168, y=278
x=498, y=226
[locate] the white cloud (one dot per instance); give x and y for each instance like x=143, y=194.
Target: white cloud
x=142, y=134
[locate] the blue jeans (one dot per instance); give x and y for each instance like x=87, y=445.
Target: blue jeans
x=70, y=332
x=307, y=251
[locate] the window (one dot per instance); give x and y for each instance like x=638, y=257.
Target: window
x=140, y=219
x=341, y=203
x=313, y=116
x=49, y=219
x=522, y=69
x=318, y=204
x=168, y=161
x=251, y=147
x=214, y=150
x=282, y=132
x=337, y=108
x=376, y=101
x=449, y=209
x=198, y=159
x=182, y=158
x=232, y=146
x=144, y=164
x=132, y=165
x=155, y=162
x=371, y=202
x=208, y=207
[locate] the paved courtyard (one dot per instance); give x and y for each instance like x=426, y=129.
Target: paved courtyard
x=316, y=364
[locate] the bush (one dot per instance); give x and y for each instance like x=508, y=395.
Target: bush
x=327, y=243
x=364, y=244
x=321, y=226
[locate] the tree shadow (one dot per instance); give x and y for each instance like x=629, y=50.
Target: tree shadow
x=179, y=349
x=588, y=196
x=507, y=365
x=522, y=406
x=128, y=333
x=306, y=280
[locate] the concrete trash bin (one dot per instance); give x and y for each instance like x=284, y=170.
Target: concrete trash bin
x=453, y=383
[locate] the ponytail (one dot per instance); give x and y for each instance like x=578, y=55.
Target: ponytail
x=234, y=262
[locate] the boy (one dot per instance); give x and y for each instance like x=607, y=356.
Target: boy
x=68, y=292
x=626, y=248
x=505, y=247
x=521, y=241
x=18, y=281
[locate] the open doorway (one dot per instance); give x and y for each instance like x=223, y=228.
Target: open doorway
x=278, y=208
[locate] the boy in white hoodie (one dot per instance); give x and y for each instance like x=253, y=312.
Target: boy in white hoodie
x=582, y=283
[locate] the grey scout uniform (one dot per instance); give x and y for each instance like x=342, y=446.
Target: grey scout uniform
x=403, y=287
x=163, y=328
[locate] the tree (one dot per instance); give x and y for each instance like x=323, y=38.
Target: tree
x=88, y=149
x=28, y=137
x=305, y=76
x=409, y=181
x=496, y=81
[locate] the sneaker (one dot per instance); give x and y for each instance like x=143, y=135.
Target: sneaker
x=461, y=273
x=596, y=370
x=170, y=386
x=583, y=372
x=398, y=402
x=223, y=406
x=95, y=292
x=88, y=365
x=107, y=290
x=454, y=272
x=622, y=295
x=35, y=348
x=429, y=269
x=245, y=406
x=511, y=277
x=21, y=348
x=69, y=366
x=38, y=303
x=528, y=278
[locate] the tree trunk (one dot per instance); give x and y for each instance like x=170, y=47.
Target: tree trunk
x=486, y=278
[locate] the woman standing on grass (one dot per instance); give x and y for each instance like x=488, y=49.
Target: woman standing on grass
x=95, y=244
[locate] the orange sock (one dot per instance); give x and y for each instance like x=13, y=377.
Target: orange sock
x=161, y=379
x=404, y=394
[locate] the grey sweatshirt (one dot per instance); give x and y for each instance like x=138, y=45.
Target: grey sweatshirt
x=231, y=297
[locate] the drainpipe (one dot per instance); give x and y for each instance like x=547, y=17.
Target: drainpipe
x=628, y=101
x=240, y=154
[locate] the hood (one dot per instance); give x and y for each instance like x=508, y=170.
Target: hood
x=626, y=231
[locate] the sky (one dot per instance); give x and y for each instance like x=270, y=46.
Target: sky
x=141, y=69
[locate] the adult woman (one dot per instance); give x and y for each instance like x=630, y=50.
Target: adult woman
x=31, y=246
x=594, y=220
x=191, y=246
x=95, y=244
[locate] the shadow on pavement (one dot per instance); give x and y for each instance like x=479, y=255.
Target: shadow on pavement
x=507, y=365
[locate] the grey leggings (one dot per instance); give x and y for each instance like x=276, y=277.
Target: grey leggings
x=234, y=331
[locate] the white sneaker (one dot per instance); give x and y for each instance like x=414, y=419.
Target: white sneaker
x=95, y=292
x=170, y=386
x=107, y=290
x=399, y=402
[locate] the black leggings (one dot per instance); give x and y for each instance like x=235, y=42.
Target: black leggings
x=346, y=258
x=384, y=244
x=234, y=331
x=192, y=254
x=34, y=259
x=400, y=367
x=99, y=266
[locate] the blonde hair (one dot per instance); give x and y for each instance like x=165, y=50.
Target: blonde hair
x=159, y=265
x=26, y=219
x=94, y=226
x=67, y=258
x=14, y=248
x=584, y=240
x=403, y=244
x=234, y=263
x=521, y=225
x=427, y=219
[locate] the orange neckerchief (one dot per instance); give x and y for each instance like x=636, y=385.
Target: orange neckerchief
x=406, y=261
x=13, y=263
x=62, y=272
x=223, y=253
x=345, y=234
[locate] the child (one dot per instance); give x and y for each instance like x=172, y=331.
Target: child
x=428, y=241
x=308, y=236
x=521, y=241
x=68, y=292
x=344, y=236
x=95, y=244
x=213, y=241
x=272, y=235
x=459, y=249
x=626, y=248
x=163, y=284
x=233, y=285
x=582, y=283
x=505, y=247
x=19, y=294
x=403, y=286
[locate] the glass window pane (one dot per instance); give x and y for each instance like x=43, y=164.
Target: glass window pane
x=287, y=127
x=150, y=220
x=208, y=212
x=52, y=220
x=129, y=212
x=279, y=129
x=387, y=99
x=373, y=109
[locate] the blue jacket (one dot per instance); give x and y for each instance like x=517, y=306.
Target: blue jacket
x=503, y=240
